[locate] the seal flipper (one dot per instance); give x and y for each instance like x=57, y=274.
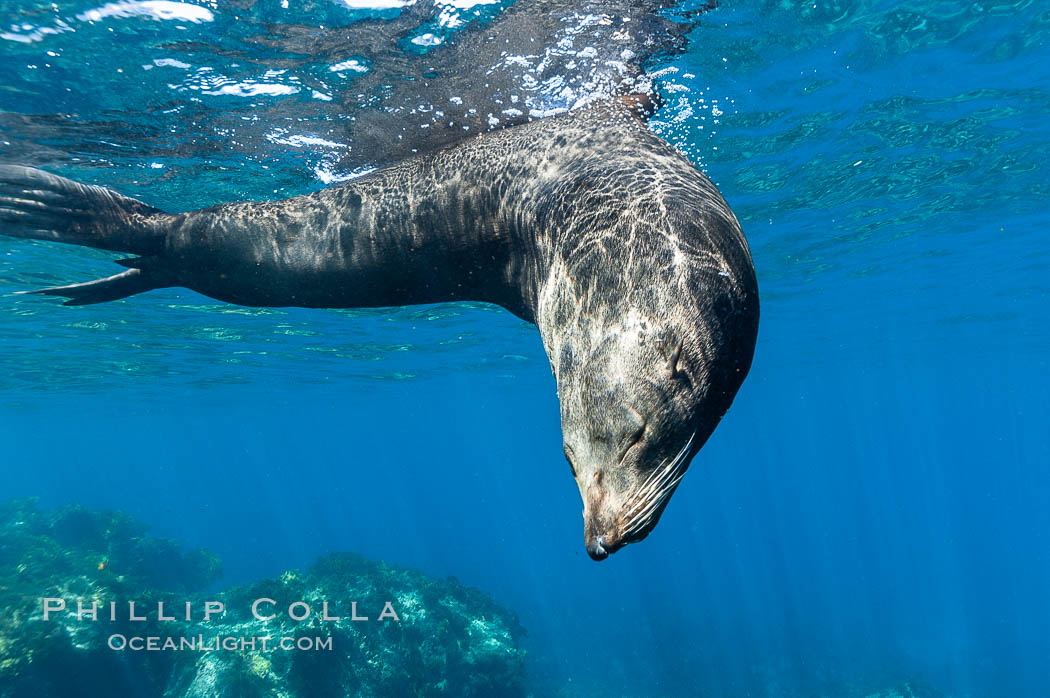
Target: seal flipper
x=127, y=283
x=38, y=205
x=41, y=206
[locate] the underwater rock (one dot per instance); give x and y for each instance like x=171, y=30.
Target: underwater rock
x=79, y=554
x=348, y=626
x=439, y=638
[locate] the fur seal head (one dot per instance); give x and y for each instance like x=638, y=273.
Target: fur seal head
x=648, y=356
x=635, y=410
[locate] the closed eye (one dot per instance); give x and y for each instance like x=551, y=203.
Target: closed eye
x=630, y=440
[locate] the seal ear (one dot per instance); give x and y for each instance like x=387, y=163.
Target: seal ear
x=671, y=349
x=672, y=361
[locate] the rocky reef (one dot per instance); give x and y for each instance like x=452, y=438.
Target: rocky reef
x=346, y=627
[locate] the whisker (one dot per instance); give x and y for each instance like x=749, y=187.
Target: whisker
x=661, y=471
x=654, y=491
x=646, y=496
x=651, y=502
x=658, y=468
x=654, y=485
x=642, y=516
x=639, y=488
x=675, y=462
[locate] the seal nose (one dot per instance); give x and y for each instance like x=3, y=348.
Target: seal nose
x=596, y=548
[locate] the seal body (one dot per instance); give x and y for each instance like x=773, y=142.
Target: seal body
x=623, y=254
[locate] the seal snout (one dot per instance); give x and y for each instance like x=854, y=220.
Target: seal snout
x=601, y=533
x=596, y=548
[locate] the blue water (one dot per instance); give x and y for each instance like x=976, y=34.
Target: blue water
x=874, y=510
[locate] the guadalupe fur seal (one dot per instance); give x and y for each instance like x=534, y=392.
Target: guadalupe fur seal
x=624, y=255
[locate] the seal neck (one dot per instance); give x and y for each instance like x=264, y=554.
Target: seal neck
x=431, y=231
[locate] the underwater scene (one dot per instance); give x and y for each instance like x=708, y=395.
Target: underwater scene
x=408, y=420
